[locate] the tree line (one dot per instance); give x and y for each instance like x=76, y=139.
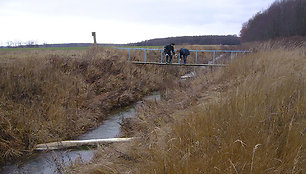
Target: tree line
x=284, y=18
x=192, y=40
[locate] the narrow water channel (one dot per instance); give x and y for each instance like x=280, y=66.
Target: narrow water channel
x=54, y=161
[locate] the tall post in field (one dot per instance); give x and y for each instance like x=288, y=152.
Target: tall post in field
x=94, y=36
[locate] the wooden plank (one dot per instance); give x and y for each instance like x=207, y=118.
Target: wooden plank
x=76, y=143
x=176, y=64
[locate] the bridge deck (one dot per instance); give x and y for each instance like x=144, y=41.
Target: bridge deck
x=176, y=64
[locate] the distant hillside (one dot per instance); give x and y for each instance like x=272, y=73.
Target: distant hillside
x=192, y=40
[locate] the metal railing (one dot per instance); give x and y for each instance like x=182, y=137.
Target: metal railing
x=196, y=52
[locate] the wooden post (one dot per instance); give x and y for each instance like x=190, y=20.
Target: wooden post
x=94, y=36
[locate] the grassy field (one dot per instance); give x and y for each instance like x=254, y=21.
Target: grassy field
x=249, y=117
x=55, y=95
x=150, y=47
x=49, y=48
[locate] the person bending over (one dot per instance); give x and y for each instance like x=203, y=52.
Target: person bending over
x=184, y=53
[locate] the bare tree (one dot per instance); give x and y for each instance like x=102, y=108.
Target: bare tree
x=283, y=18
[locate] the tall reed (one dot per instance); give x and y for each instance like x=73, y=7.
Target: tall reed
x=247, y=118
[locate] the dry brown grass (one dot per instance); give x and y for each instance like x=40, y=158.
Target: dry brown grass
x=247, y=118
x=54, y=95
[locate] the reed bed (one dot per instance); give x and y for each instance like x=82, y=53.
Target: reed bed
x=249, y=117
x=50, y=95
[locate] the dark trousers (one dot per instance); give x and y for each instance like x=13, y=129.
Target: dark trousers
x=168, y=55
x=185, y=57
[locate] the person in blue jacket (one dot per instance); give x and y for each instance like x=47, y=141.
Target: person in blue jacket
x=184, y=53
x=167, y=50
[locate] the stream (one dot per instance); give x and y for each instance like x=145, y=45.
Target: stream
x=55, y=161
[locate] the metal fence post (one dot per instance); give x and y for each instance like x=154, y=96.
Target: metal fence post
x=196, y=57
x=129, y=54
x=231, y=55
x=145, y=55
x=214, y=57
x=161, y=56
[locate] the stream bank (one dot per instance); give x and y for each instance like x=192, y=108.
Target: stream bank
x=56, y=161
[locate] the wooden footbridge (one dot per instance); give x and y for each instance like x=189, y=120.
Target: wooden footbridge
x=216, y=55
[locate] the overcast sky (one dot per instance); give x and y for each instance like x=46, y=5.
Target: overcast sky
x=121, y=21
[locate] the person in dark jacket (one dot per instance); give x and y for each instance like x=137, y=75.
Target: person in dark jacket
x=167, y=50
x=184, y=53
